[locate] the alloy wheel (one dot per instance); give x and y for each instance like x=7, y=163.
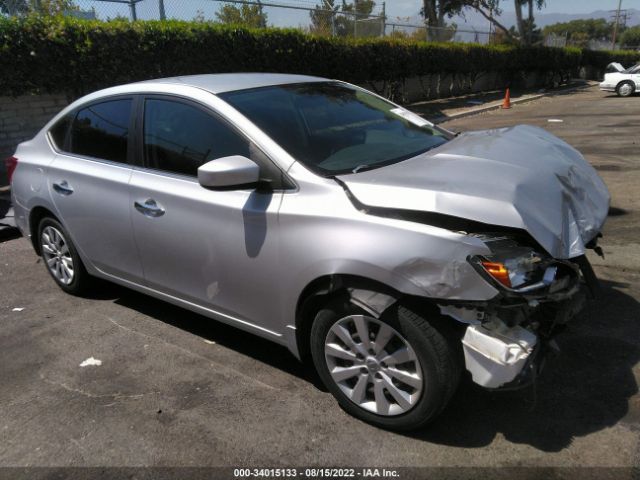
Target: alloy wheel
x=373, y=365
x=626, y=90
x=55, y=251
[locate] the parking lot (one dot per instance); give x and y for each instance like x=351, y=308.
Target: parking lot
x=178, y=389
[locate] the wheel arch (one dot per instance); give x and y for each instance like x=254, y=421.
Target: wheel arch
x=372, y=295
x=35, y=217
x=630, y=82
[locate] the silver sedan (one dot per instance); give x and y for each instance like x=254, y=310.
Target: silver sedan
x=389, y=252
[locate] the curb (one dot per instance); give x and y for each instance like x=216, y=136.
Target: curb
x=498, y=104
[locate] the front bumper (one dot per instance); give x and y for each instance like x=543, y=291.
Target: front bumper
x=607, y=87
x=506, y=341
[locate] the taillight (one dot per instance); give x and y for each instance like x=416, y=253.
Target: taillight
x=11, y=163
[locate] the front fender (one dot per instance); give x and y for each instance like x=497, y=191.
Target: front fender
x=329, y=236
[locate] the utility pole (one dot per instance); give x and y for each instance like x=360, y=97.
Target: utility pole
x=490, y=23
x=615, y=26
x=163, y=15
x=355, y=19
x=132, y=7
x=384, y=18
x=263, y=23
x=530, y=32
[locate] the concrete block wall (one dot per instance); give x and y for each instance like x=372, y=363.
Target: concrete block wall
x=21, y=118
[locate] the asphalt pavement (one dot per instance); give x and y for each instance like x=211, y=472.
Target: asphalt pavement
x=176, y=389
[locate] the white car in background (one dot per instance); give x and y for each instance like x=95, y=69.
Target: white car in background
x=624, y=82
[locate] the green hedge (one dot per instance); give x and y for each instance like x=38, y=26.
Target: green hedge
x=41, y=54
x=600, y=59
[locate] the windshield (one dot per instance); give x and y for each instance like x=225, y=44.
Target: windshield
x=634, y=69
x=333, y=128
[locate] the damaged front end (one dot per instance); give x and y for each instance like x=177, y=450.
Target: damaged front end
x=507, y=338
x=534, y=203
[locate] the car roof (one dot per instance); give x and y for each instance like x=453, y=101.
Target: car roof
x=228, y=82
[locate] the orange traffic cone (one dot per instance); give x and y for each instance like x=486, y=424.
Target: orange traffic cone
x=507, y=100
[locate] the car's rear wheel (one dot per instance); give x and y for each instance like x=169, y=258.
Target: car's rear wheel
x=61, y=257
x=396, y=372
x=625, y=89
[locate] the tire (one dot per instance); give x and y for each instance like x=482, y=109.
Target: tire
x=61, y=258
x=625, y=89
x=433, y=359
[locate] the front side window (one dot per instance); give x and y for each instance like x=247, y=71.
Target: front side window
x=178, y=137
x=101, y=130
x=333, y=128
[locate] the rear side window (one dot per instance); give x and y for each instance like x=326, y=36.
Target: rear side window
x=179, y=138
x=102, y=131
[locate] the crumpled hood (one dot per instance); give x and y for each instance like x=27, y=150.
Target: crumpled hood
x=521, y=177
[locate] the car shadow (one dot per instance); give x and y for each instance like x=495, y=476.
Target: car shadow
x=245, y=343
x=585, y=389
x=8, y=231
x=617, y=212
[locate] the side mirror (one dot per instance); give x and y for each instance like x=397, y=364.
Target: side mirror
x=228, y=172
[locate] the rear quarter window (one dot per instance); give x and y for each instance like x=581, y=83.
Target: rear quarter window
x=58, y=133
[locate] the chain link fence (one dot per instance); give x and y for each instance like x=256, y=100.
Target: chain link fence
x=564, y=40
x=321, y=17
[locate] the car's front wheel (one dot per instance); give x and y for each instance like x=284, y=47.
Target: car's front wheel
x=625, y=89
x=61, y=257
x=396, y=372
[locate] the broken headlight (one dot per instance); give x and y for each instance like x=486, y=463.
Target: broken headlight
x=516, y=266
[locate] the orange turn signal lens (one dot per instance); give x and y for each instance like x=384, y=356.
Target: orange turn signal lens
x=498, y=271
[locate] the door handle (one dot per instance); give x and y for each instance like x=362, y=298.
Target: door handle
x=149, y=208
x=63, y=188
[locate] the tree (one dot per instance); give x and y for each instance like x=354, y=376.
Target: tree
x=13, y=7
x=54, y=7
x=580, y=33
x=323, y=18
x=45, y=7
x=490, y=9
x=631, y=38
x=345, y=19
x=246, y=15
x=531, y=33
x=435, y=13
x=358, y=19
x=519, y=19
x=526, y=28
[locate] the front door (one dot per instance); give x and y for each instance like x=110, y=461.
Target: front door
x=216, y=249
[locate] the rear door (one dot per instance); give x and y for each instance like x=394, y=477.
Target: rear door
x=213, y=248
x=89, y=183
